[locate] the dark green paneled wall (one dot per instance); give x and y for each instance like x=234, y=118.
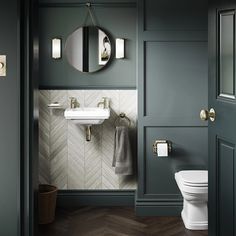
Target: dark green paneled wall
x=189, y=152
x=172, y=89
x=175, y=15
x=10, y=122
x=118, y=21
x=181, y=69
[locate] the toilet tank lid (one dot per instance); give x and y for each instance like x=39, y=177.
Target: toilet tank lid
x=194, y=176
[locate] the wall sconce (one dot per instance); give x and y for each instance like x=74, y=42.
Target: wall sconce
x=120, y=48
x=56, y=48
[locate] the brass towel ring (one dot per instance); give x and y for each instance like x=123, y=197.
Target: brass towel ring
x=122, y=116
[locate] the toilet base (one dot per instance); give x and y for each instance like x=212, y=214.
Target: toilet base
x=195, y=216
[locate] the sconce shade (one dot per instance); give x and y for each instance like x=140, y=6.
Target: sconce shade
x=120, y=48
x=56, y=48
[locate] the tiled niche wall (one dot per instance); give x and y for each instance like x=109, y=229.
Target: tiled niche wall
x=66, y=159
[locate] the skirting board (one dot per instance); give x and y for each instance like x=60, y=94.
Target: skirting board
x=157, y=208
x=76, y=198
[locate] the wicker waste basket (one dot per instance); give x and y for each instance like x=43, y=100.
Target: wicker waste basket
x=47, y=203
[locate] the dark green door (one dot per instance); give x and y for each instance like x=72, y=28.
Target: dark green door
x=222, y=131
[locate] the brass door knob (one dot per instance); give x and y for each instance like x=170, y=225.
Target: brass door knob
x=205, y=115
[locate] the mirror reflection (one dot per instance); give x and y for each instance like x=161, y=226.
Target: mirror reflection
x=88, y=49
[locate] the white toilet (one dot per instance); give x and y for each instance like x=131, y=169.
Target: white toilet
x=193, y=185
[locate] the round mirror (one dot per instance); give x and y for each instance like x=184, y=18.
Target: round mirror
x=88, y=49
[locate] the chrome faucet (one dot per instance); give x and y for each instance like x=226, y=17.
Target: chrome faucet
x=104, y=102
x=74, y=103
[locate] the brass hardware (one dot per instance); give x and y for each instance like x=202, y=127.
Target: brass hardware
x=169, y=144
x=74, y=103
x=104, y=102
x=3, y=65
x=100, y=103
x=88, y=133
x=124, y=117
x=205, y=115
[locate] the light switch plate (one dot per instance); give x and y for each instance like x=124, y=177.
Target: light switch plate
x=3, y=65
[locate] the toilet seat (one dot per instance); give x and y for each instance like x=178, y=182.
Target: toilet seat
x=193, y=181
x=194, y=178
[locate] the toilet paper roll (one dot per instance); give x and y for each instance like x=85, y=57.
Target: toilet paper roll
x=162, y=149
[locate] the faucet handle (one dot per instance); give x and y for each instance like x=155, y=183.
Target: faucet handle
x=74, y=102
x=106, y=102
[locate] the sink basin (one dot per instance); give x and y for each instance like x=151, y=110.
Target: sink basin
x=87, y=115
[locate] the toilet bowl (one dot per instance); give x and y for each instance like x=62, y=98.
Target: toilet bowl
x=193, y=185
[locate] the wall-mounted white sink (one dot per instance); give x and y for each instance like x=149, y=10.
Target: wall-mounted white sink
x=87, y=115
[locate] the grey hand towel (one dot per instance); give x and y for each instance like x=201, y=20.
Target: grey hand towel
x=122, y=159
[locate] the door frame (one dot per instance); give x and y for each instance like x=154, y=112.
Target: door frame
x=28, y=61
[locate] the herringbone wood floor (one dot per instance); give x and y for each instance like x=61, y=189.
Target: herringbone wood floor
x=113, y=221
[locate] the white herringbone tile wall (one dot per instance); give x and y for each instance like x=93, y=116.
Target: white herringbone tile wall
x=66, y=159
